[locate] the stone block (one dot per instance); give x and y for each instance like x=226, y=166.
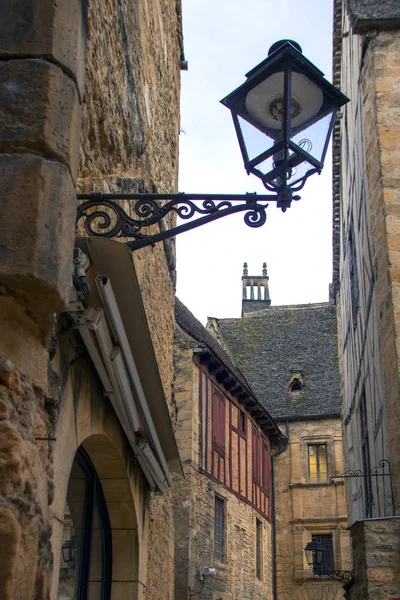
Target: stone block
x=10, y=533
x=40, y=111
x=37, y=213
x=48, y=29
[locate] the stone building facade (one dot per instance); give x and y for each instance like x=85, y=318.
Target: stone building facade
x=288, y=354
x=89, y=101
x=223, y=507
x=366, y=284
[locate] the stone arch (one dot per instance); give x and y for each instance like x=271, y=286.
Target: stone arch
x=113, y=475
x=315, y=591
x=124, y=500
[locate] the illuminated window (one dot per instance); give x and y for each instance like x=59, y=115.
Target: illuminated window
x=317, y=463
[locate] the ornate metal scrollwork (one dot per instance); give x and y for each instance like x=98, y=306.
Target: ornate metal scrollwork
x=103, y=216
x=374, y=472
x=344, y=576
x=382, y=470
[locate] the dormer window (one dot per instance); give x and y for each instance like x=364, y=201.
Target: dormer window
x=296, y=385
x=296, y=382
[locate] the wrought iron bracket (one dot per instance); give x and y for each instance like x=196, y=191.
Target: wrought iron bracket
x=102, y=215
x=382, y=470
x=345, y=576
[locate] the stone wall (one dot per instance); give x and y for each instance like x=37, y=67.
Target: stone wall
x=304, y=508
x=130, y=132
x=376, y=547
x=128, y=53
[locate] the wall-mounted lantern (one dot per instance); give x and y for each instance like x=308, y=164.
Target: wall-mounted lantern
x=314, y=554
x=283, y=116
x=68, y=550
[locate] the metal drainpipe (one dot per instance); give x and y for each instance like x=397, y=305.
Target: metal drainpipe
x=274, y=582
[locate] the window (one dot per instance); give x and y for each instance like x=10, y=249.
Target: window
x=219, y=529
x=266, y=467
x=327, y=561
x=259, y=540
x=261, y=462
x=256, y=457
x=365, y=457
x=218, y=420
x=296, y=385
x=354, y=287
x=86, y=559
x=242, y=422
x=317, y=463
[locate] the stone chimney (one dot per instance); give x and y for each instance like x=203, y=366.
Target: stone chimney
x=255, y=291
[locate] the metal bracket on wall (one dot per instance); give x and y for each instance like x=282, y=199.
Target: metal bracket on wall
x=103, y=216
x=345, y=576
x=382, y=470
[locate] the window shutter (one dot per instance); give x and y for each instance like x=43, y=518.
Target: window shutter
x=256, y=456
x=218, y=419
x=266, y=467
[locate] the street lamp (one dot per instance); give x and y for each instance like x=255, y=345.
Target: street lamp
x=314, y=554
x=283, y=116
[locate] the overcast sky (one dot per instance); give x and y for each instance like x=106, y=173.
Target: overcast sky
x=223, y=40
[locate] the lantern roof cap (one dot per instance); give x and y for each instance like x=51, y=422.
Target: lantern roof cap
x=285, y=51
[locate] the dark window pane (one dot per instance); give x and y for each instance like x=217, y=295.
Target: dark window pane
x=218, y=419
x=242, y=421
x=327, y=562
x=258, y=549
x=86, y=552
x=219, y=529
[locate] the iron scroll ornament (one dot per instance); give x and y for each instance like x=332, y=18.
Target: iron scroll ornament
x=102, y=215
x=345, y=576
x=382, y=470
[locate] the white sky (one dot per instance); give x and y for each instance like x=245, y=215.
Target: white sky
x=223, y=40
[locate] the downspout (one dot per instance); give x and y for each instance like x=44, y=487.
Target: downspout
x=274, y=576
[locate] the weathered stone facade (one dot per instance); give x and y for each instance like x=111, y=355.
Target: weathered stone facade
x=288, y=354
x=366, y=200
x=304, y=508
x=237, y=576
x=89, y=97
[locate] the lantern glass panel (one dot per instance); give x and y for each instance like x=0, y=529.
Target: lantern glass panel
x=313, y=139
x=255, y=140
x=265, y=104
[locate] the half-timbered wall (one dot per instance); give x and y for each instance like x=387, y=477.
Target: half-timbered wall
x=367, y=349
x=233, y=450
x=236, y=540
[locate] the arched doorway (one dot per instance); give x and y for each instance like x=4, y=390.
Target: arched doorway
x=86, y=552
x=106, y=566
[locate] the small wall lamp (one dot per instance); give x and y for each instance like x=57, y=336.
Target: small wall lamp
x=315, y=553
x=69, y=552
